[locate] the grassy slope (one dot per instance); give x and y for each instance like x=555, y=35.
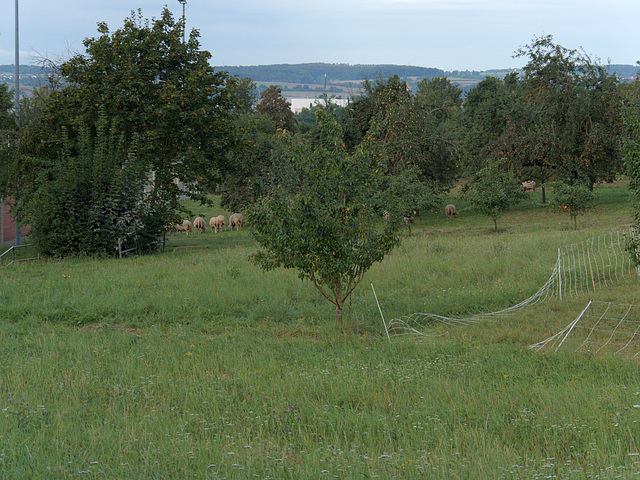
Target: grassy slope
x=195, y=364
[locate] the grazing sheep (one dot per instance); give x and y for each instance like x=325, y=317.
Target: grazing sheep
x=198, y=224
x=385, y=215
x=221, y=222
x=217, y=223
x=184, y=227
x=236, y=220
x=450, y=211
x=529, y=185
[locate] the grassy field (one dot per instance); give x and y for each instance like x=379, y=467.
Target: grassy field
x=193, y=363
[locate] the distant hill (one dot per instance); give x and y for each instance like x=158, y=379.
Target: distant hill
x=315, y=73
x=315, y=79
x=342, y=77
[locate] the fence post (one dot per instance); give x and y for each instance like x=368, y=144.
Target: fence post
x=119, y=248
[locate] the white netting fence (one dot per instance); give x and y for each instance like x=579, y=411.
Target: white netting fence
x=581, y=268
x=601, y=327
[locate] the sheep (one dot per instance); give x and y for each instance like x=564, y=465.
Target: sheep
x=198, y=224
x=236, y=220
x=385, y=215
x=217, y=223
x=450, y=211
x=529, y=185
x=221, y=222
x=185, y=226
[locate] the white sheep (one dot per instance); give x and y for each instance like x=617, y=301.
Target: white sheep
x=450, y=211
x=217, y=223
x=185, y=226
x=529, y=185
x=236, y=220
x=198, y=224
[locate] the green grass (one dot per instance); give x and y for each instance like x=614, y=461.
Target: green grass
x=193, y=363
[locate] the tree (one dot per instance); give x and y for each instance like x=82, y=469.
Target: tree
x=7, y=137
x=572, y=199
x=91, y=198
x=631, y=148
x=573, y=122
x=252, y=164
x=495, y=190
x=320, y=218
x=7, y=120
x=487, y=116
x=415, y=131
x=277, y=108
x=169, y=105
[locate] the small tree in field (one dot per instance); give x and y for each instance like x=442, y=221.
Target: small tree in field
x=320, y=220
x=495, y=190
x=572, y=199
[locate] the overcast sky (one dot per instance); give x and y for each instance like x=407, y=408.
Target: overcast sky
x=447, y=34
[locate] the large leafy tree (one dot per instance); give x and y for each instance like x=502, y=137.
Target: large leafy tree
x=412, y=130
x=167, y=101
x=631, y=148
x=91, y=198
x=320, y=219
x=572, y=124
x=487, y=116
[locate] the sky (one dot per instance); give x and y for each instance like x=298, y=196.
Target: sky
x=448, y=34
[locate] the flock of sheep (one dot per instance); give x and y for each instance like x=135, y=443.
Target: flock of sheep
x=236, y=220
x=217, y=224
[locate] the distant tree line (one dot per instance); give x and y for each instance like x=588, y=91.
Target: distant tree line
x=317, y=73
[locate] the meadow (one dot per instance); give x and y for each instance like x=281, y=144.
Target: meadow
x=193, y=363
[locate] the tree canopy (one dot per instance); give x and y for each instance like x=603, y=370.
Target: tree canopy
x=321, y=219
x=171, y=110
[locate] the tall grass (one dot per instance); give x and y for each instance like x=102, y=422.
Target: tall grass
x=193, y=363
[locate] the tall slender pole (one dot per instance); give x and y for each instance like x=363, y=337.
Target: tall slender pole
x=184, y=23
x=17, y=102
x=17, y=73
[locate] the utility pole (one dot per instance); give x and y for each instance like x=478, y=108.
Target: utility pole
x=184, y=23
x=17, y=104
x=17, y=72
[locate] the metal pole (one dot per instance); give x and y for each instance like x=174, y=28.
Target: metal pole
x=184, y=23
x=17, y=72
x=17, y=102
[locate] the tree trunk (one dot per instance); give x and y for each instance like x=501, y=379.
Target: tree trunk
x=544, y=197
x=495, y=223
x=339, y=314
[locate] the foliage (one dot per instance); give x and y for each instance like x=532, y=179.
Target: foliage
x=573, y=199
x=631, y=148
x=320, y=219
x=7, y=137
x=252, y=164
x=560, y=120
x=495, y=190
x=168, y=102
x=487, y=116
x=418, y=130
x=88, y=200
x=277, y=108
x=572, y=122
